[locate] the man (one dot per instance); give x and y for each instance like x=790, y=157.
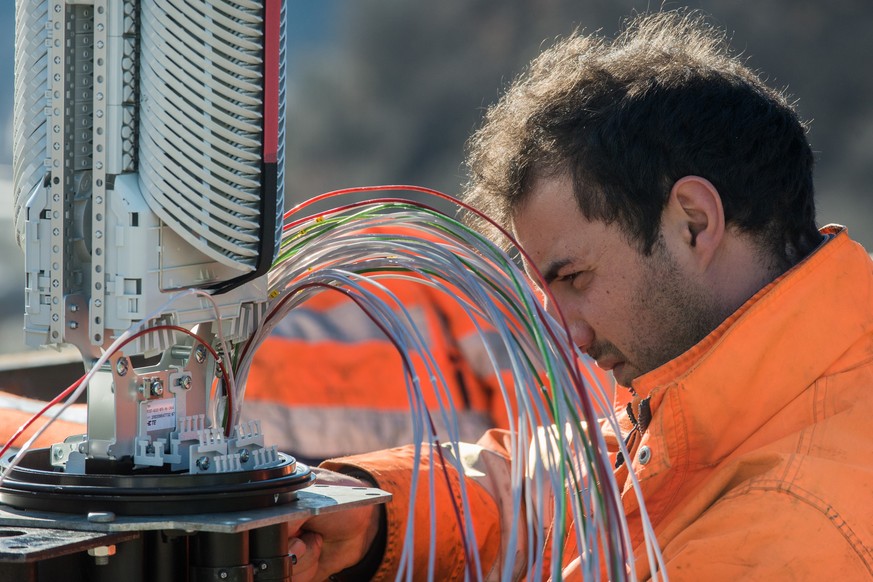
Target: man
x=665, y=194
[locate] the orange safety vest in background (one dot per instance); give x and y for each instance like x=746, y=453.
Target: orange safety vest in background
x=329, y=382
x=15, y=411
x=756, y=464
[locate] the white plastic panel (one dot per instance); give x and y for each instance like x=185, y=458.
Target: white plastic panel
x=201, y=134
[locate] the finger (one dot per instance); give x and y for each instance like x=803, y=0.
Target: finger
x=305, y=554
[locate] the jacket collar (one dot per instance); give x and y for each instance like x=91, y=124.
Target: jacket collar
x=771, y=349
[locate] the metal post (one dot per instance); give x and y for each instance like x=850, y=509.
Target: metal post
x=221, y=557
x=269, y=553
x=168, y=556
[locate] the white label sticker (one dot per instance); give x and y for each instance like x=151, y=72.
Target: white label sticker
x=160, y=414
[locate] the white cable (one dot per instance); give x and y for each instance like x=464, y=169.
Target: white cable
x=437, y=251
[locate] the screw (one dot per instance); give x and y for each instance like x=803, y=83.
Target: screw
x=157, y=387
x=185, y=382
x=200, y=354
x=203, y=463
x=58, y=453
x=223, y=574
x=244, y=456
x=121, y=366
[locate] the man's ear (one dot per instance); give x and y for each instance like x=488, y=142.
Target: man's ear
x=695, y=216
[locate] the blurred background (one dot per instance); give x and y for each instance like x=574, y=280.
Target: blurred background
x=387, y=91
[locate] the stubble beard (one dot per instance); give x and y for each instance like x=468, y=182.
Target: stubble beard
x=675, y=313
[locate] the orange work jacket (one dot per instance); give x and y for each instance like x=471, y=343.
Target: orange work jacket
x=757, y=463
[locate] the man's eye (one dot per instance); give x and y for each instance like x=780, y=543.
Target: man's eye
x=576, y=278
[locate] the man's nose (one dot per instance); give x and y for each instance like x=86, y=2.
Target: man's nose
x=580, y=331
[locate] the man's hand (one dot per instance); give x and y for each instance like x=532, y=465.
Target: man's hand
x=329, y=543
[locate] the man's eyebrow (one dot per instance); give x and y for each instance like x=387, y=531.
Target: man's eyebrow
x=551, y=272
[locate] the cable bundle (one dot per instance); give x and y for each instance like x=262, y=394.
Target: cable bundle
x=562, y=478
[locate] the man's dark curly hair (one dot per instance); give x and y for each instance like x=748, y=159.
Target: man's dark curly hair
x=627, y=118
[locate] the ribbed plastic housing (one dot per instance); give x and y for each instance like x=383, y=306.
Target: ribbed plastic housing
x=29, y=118
x=201, y=124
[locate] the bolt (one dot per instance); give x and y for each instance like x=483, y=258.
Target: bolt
x=203, y=463
x=101, y=517
x=223, y=574
x=101, y=554
x=244, y=456
x=185, y=382
x=157, y=387
x=102, y=551
x=58, y=453
x=121, y=366
x=73, y=325
x=200, y=354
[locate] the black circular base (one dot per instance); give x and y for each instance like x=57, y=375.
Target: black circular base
x=35, y=484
